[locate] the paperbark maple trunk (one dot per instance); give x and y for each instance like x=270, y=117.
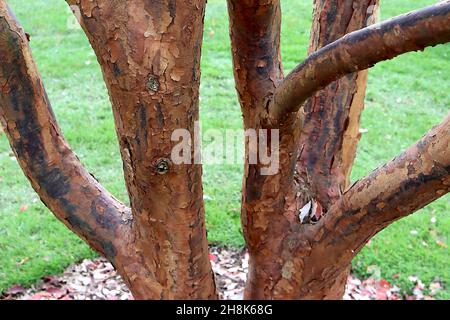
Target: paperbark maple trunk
x=150, y=56
x=270, y=205
x=331, y=117
x=290, y=258
x=269, y=202
x=303, y=224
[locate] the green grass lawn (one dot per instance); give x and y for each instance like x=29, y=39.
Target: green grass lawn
x=405, y=98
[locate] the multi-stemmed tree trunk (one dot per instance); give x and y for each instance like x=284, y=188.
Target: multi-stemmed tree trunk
x=149, y=52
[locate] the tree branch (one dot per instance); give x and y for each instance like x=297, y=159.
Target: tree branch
x=330, y=118
x=149, y=53
x=417, y=177
x=360, y=50
x=54, y=171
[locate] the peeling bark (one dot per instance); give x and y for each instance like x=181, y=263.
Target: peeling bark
x=409, y=32
x=302, y=225
x=330, y=127
x=269, y=203
x=150, y=57
x=415, y=178
x=288, y=259
x=153, y=83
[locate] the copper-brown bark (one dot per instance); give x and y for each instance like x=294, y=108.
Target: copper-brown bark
x=330, y=127
x=410, y=181
x=150, y=56
x=55, y=172
x=270, y=205
x=289, y=259
x=266, y=213
x=409, y=32
x=153, y=84
x=149, y=53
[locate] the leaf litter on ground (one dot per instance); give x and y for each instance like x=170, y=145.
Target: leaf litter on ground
x=97, y=280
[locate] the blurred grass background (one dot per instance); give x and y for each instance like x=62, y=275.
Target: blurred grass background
x=405, y=98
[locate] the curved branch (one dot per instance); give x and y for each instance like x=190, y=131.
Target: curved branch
x=54, y=171
x=149, y=53
x=417, y=177
x=360, y=50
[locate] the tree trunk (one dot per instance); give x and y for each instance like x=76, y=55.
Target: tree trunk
x=151, y=67
x=290, y=259
x=302, y=222
x=270, y=215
